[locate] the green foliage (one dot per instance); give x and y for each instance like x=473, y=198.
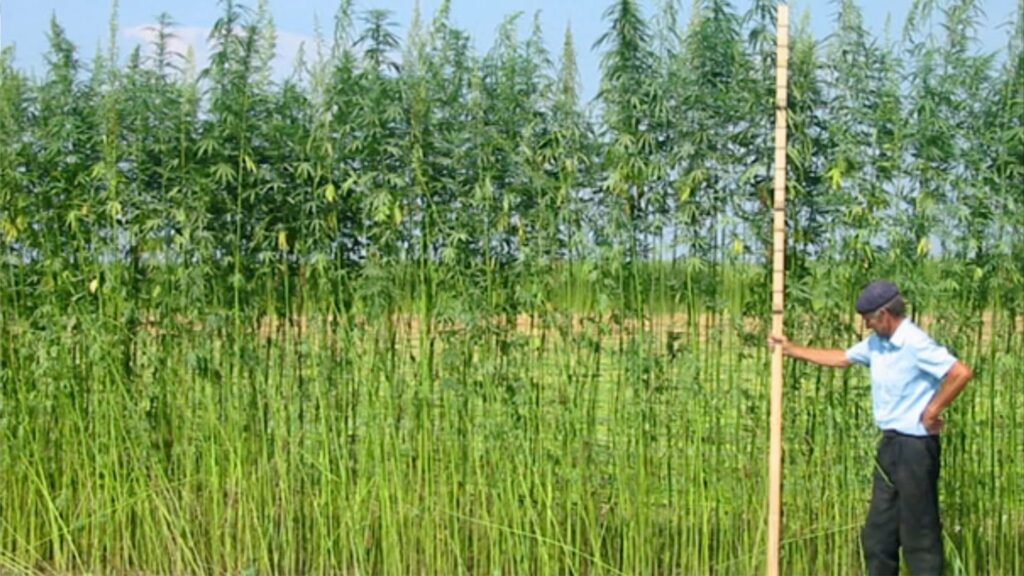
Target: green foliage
x=415, y=309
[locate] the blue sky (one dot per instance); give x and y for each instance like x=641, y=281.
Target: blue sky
x=26, y=22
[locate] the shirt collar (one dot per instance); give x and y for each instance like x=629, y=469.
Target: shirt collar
x=899, y=336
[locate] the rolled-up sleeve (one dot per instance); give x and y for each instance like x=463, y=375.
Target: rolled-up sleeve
x=859, y=353
x=933, y=359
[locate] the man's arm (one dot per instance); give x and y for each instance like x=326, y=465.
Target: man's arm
x=954, y=383
x=834, y=357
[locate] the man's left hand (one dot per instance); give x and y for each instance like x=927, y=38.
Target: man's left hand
x=933, y=423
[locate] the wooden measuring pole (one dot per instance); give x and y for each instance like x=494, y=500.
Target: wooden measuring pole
x=778, y=292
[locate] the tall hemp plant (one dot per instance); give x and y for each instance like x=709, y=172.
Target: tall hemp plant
x=629, y=96
x=714, y=70
x=15, y=120
x=809, y=200
x=1006, y=169
x=865, y=117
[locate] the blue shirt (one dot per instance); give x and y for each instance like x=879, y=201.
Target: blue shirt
x=906, y=370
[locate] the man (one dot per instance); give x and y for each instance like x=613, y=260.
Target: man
x=912, y=381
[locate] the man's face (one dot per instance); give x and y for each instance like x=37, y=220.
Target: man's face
x=880, y=321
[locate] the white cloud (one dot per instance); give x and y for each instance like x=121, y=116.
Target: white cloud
x=184, y=37
x=287, y=50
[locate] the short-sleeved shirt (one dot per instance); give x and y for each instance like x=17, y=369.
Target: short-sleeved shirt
x=906, y=370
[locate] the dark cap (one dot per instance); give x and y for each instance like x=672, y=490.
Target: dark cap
x=876, y=295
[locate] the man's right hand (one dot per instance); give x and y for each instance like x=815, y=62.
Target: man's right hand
x=833, y=357
x=774, y=341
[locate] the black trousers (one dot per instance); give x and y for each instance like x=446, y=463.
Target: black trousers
x=904, y=507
